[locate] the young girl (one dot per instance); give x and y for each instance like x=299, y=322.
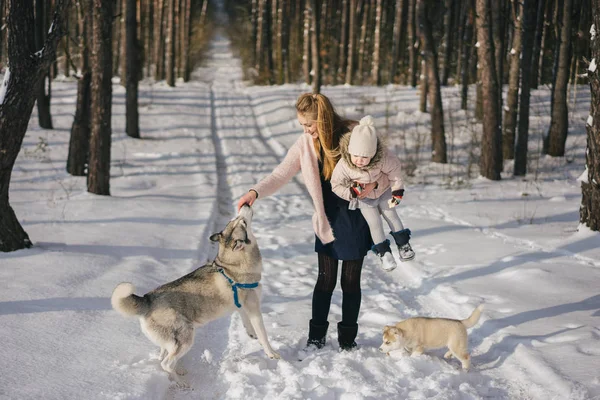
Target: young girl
x=364, y=160
x=341, y=234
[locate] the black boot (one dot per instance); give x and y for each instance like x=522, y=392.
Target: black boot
x=401, y=237
x=316, y=334
x=404, y=248
x=346, y=336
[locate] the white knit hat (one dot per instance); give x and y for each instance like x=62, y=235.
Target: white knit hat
x=363, y=140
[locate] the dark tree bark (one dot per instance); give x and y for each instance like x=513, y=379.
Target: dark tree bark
x=159, y=49
x=512, y=95
x=44, y=88
x=466, y=53
x=79, y=144
x=316, y=45
x=362, y=43
x=498, y=10
x=438, y=136
x=491, y=141
x=170, y=44
x=375, y=69
x=539, y=28
x=132, y=124
x=26, y=68
x=412, y=43
x=276, y=17
x=589, y=212
x=423, y=87
x=187, y=33
x=100, y=141
x=529, y=23
x=554, y=142
x=286, y=33
x=306, y=59
x=351, y=44
x=397, y=39
x=448, y=34
x=343, y=45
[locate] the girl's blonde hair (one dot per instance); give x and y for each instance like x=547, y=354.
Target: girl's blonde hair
x=330, y=126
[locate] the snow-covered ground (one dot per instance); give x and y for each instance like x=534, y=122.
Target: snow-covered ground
x=514, y=245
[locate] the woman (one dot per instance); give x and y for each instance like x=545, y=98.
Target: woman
x=341, y=234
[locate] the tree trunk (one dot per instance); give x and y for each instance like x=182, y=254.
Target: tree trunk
x=491, y=141
x=466, y=53
x=159, y=41
x=539, y=28
x=187, y=33
x=17, y=97
x=589, y=212
x=277, y=16
x=343, y=45
x=79, y=143
x=529, y=26
x=100, y=141
x=362, y=44
x=351, y=45
x=448, y=33
x=512, y=96
x=423, y=86
x=498, y=9
x=412, y=44
x=438, y=136
x=132, y=124
x=396, y=40
x=554, y=142
x=285, y=41
x=375, y=69
x=306, y=59
x=45, y=85
x=316, y=45
x=170, y=44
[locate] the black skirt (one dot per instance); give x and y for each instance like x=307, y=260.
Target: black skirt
x=352, y=234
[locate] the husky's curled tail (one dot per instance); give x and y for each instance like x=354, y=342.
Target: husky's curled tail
x=468, y=323
x=124, y=301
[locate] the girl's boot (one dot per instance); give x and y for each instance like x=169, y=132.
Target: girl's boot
x=384, y=253
x=401, y=238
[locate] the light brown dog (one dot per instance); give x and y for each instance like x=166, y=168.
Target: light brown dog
x=421, y=333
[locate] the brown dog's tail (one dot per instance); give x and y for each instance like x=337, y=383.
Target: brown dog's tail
x=124, y=301
x=473, y=318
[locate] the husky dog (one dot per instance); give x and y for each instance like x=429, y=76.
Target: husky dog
x=418, y=334
x=169, y=313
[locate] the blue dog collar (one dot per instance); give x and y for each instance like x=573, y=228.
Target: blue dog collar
x=235, y=286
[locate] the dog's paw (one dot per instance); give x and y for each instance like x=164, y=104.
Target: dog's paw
x=181, y=371
x=274, y=356
x=448, y=355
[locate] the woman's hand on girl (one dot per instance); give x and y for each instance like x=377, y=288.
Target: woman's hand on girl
x=368, y=188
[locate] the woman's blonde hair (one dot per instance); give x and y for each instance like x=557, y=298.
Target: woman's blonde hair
x=330, y=126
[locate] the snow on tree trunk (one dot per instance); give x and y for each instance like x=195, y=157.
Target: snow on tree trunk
x=589, y=212
x=18, y=98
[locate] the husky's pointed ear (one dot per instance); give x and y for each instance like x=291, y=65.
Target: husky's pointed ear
x=215, y=237
x=239, y=245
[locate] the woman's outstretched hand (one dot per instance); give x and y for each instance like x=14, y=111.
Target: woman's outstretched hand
x=249, y=198
x=367, y=189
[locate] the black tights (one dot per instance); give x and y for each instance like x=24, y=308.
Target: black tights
x=350, y=281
